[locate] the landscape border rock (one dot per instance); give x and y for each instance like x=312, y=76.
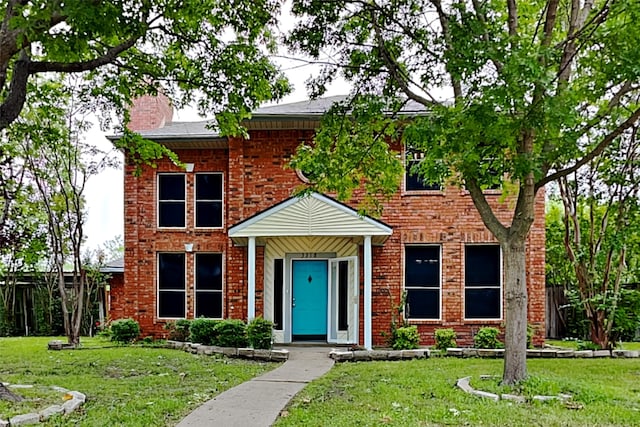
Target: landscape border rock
x=243, y=353
x=464, y=384
x=75, y=400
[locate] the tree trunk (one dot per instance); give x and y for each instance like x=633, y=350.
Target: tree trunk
x=515, y=289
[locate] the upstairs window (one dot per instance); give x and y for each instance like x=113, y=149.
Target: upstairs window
x=482, y=282
x=171, y=200
x=413, y=181
x=422, y=282
x=208, y=209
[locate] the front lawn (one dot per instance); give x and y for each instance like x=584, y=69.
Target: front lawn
x=125, y=386
x=606, y=392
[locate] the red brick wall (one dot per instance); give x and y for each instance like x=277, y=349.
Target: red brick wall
x=255, y=180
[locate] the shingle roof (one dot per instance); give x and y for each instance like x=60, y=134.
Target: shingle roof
x=311, y=109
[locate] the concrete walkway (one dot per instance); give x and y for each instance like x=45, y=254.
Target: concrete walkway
x=258, y=402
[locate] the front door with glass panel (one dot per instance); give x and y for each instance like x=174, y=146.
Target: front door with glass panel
x=309, y=300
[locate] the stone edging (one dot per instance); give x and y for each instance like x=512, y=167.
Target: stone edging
x=465, y=385
x=74, y=401
x=244, y=353
x=366, y=355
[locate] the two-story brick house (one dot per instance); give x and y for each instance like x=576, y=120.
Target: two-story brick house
x=226, y=239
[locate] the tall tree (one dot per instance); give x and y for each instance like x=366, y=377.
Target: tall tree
x=209, y=51
x=59, y=163
x=601, y=221
x=533, y=90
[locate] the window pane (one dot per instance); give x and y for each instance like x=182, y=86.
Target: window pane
x=482, y=265
x=209, y=186
x=171, y=214
x=209, y=304
x=171, y=271
x=171, y=304
x=208, y=214
x=422, y=266
x=209, y=271
x=278, y=292
x=343, y=295
x=482, y=303
x=171, y=187
x=423, y=304
x=413, y=181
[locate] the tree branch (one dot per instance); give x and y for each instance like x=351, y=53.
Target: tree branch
x=598, y=149
x=76, y=67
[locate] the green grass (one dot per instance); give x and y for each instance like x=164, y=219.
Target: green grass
x=125, y=386
x=606, y=392
x=573, y=344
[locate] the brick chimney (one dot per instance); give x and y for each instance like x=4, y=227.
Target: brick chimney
x=150, y=112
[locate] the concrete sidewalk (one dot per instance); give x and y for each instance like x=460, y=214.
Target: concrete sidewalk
x=258, y=402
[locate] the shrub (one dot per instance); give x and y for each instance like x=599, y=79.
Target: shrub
x=445, y=338
x=487, y=337
x=405, y=338
x=178, y=330
x=587, y=345
x=231, y=333
x=124, y=331
x=531, y=330
x=260, y=333
x=203, y=331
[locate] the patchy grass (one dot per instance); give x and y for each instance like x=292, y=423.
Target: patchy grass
x=125, y=386
x=606, y=392
x=573, y=344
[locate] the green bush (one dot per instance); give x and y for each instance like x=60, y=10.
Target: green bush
x=587, y=345
x=231, y=333
x=124, y=331
x=531, y=330
x=203, y=331
x=445, y=338
x=406, y=338
x=260, y=333
x=178, y=330
x=487, y=337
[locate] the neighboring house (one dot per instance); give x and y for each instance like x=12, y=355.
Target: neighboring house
x=225, y=238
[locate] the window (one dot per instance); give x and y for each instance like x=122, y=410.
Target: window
x=278, y=292
x=209, y=200
x=482, y=286
x=171, y=285
x=422, y=282
x=209, y=286
x=414, y=182
x=171, y=200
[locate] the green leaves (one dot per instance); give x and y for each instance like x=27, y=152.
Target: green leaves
x=351, y=151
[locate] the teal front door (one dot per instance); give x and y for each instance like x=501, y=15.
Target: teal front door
x=309, y=303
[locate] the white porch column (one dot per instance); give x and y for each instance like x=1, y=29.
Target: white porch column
x=251, y=272
x=367, y=292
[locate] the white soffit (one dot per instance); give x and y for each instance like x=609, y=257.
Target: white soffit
x=312, y=215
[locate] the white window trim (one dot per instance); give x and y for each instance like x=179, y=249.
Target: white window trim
x=195, y=284
x=158, y=201
x=464, y=286
x=405, y=288
x=184, y=269
x=195, y=201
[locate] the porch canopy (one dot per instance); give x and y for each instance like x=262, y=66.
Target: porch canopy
x=311, y=215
